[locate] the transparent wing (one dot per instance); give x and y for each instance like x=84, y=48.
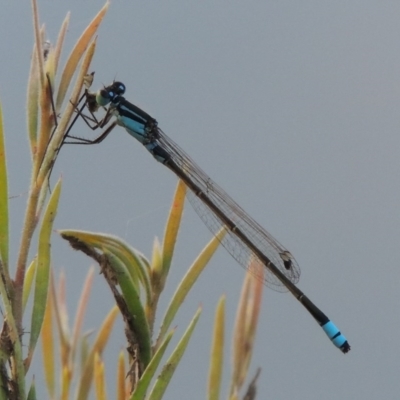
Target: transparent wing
x=258, y=236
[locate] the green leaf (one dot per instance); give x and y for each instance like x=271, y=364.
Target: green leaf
x=135, y=262
x=43, y=270
x=217, y=352
x=169, y=368
x=189, y=280
x=32, y=392
x=48, y=346
x=151, y=369
x=30, y=273
x=119, y=268
x=173, y=223
x=84, y=350
x=33, y=102
x=135, y=315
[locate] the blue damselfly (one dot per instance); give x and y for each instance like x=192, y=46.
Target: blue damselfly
x=245, y=238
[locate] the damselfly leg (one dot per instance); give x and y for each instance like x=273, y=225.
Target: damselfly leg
x=91, y=120
x=88, y=101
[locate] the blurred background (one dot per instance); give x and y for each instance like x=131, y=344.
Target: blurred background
x=292, y=107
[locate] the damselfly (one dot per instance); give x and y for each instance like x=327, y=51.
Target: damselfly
x=245, y=238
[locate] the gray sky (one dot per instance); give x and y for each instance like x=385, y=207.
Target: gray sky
x=292, y=107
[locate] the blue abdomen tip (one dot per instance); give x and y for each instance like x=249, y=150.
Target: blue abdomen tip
x=336, y=336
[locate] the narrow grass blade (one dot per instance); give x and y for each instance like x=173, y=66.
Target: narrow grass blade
x=84, y=351
x=121, y=376
x=38, y=33
x=158, y=277
x=32, y=392
x=48, y=347
x=217, y=352
x=99, y=378
x=33, y=102
x=86, y=377
x=66, y=378
x=77, y=53
x=151, y=369
x=61, y=318
x=81, y=312
x=52, y=148
x=246, y=324
x=172, y=228
x=30, y=274
x=43, y=271
x=60, y=41
x=188, y=281
x=169, y=368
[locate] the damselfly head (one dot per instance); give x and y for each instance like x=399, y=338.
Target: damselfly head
x=111, y=93
x=118, y=88
x=115, y=89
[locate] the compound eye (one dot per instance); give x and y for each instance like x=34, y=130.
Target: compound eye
x=121, y=88
x=111, y=94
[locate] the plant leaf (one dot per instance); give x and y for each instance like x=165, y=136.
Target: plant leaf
x=43, y=271
x=32, y=391
x=81, y=312
x=151, y=369
x=134, y=315
x=217, y=352
x=246, y=323
x=48, y=346
x=135, y=262
x=173, y=223
x=60, y=41
x=189, y=280
x=86, y=377
x=30, y=273
x=77, y=53
x=169, y=368
x=99, y=378
x=121, y=376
